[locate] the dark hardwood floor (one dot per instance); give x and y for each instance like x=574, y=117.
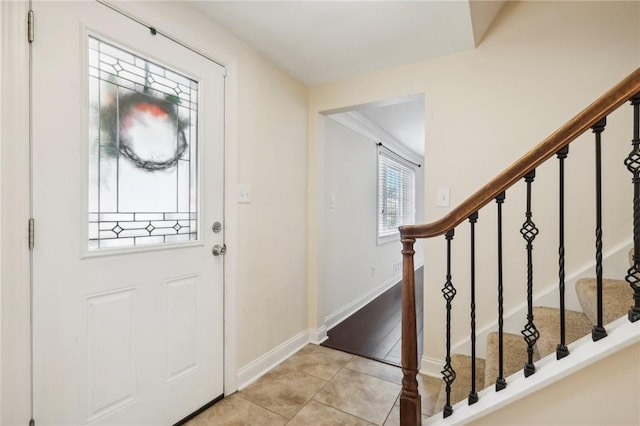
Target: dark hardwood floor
x=375, y=330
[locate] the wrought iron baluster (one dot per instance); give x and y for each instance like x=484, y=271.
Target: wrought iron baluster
x=473, y=394
x=449, y=292
x=501, y=383
x=633, y=165
x=529, y=232
x=599, y=331
x=561, y=349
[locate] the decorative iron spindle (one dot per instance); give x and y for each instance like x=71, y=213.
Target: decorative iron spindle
x=561, y=349
x=599, y=331
x=473, y=395
x=449, y=292
x=633, y=165
x=501, y=383
x=529, y=232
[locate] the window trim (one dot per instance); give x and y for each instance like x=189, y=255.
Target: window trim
x=408, y=166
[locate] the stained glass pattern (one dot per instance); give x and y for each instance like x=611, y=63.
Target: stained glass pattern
x=143, y=186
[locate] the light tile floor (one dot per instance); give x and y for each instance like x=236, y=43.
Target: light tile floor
x=319, y=386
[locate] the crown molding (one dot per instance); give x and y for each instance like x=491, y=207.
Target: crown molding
x=364, y=127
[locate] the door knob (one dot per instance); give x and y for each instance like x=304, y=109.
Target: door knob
x=219, y=250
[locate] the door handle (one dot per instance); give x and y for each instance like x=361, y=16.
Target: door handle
x=219, y=250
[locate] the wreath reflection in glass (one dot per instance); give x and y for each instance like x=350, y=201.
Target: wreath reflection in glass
x=145, y=129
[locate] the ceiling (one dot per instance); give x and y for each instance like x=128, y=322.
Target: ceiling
x=323, y=41
x=402, y=120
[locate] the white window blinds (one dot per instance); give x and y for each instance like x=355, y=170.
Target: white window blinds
x=396, y=193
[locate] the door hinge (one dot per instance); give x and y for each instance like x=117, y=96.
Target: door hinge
x=30, y=30
x=31, y=233
x=32, y=422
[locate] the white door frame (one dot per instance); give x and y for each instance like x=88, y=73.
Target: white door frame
x=14, y=209
x=15, y=296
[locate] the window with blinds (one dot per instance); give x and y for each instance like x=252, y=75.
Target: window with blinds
x=396, y=194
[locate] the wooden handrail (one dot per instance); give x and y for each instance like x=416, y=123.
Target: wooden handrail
x=602, y=107
x=410, y=397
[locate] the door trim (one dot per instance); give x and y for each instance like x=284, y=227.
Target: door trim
x=15, y=353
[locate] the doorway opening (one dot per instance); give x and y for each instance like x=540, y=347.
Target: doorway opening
x=373, y=183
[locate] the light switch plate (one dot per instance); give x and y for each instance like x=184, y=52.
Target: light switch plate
x=442, y=197
x=244, y=193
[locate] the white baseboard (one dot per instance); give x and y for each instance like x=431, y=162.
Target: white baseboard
x=351, y=308
x=430, y=366
x=259, y=367
x=318, y=335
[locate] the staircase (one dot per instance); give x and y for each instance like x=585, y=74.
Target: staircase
x=548, y=330
x=616, y=295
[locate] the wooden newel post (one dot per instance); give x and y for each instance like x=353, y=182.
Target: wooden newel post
x=410, y=403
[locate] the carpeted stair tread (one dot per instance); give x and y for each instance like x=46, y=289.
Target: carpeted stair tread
x=617, y=297
x=462, y=385
x=547, y=321
x=515, y=355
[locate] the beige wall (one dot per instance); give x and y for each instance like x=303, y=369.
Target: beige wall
x=272, y=129
x=605, y=393
x=540, y=64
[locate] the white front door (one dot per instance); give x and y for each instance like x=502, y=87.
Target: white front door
x=127, y=185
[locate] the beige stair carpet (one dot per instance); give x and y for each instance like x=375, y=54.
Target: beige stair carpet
x=617, y=297
x=547, y=321
x=462, y=385
x=515, y=355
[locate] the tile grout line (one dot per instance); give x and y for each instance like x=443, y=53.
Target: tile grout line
x=338, y=409
x=353, y=356
x=266, y=408
x=319, y=390
x=310, y=399
x=342, y=366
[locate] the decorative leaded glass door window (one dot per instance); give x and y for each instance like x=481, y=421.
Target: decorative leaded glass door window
x=143, y=151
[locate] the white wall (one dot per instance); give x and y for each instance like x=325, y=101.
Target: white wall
x=265, y=269
x=354, y=264
x=540, y=64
